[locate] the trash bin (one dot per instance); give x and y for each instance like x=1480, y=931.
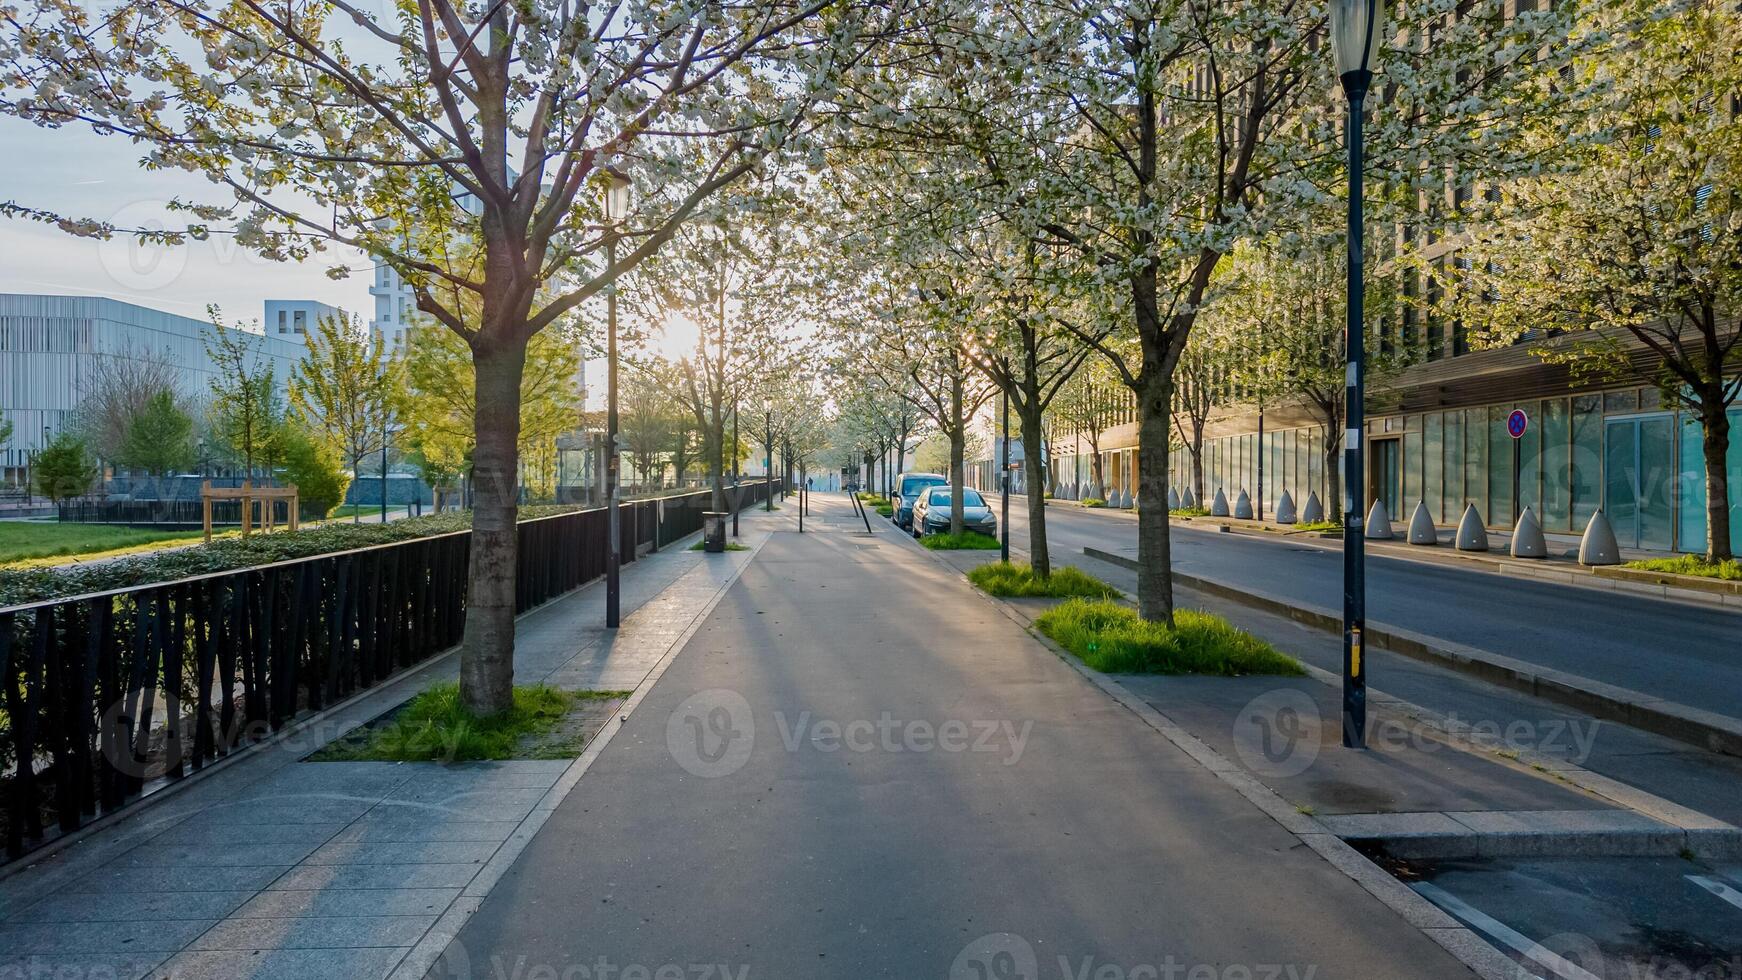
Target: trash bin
x=714, y=531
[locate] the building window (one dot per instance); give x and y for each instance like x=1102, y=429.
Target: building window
x=300, y=318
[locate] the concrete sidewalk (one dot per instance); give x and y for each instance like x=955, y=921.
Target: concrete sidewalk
x=859, y=768
x=276, y=867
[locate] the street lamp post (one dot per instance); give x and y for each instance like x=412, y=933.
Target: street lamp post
x=1004, y=484
x=1355, y=37
x=616, y=205
x=768, y=456
x=736, y=476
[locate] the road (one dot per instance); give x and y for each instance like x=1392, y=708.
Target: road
x=1684, y=653
x=786, y=804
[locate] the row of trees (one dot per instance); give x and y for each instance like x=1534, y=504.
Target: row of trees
x=968, y=197
x=1161, y=190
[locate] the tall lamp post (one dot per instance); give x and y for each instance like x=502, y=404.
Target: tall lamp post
x=1356, y=27
x=768, y=455
x=616, y=206
x=1004, y=482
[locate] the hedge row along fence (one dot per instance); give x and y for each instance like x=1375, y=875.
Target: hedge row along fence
x=110, y=694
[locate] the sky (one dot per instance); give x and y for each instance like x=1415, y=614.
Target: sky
x=79, y=174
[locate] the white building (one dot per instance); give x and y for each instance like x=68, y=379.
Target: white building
x=395, y=309
x=50, y=347
x=295, y=319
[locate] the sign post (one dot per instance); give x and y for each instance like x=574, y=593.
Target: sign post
x=1517, y=424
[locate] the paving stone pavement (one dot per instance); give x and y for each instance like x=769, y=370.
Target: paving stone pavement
x=274, y=867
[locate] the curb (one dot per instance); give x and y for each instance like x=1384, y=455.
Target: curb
x=1695, y=726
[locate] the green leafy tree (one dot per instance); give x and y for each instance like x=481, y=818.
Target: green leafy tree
x=64, y=468
x=449, y=122
x=245, y=410
x=1630, y=247
x=345, y=388
x=310, y=462
x=160, y=438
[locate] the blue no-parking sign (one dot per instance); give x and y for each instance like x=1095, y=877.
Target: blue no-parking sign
x=1517, y=423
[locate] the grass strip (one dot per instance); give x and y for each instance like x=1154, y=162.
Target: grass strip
x=1019, y=581
x=1728, y=571
x=965, y=541
x=1113, y=638
x=730, y=546
x=436, y=727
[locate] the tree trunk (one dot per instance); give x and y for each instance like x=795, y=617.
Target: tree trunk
x=1097, y=473
x=1154, y=549
x=1715, y=440
x=356, y=513
x=1334, y=471
x=487, y=648
x=1033, y=439
x=1197, y=449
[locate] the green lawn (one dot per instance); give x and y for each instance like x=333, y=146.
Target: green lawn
x=1018, y=580
x=730, y=546
x=20, y=540
x=1729, y=571
x=1113, y=638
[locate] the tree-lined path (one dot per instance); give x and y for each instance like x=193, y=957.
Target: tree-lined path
x=859, y=768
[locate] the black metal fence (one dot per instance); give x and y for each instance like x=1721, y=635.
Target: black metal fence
x=105, y=695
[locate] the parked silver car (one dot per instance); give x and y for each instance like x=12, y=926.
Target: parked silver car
x=931, y=515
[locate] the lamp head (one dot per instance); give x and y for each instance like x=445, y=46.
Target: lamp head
x=617, y=185
x=1357, y=28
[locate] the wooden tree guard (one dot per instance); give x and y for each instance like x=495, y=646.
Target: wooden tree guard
x=250, y=495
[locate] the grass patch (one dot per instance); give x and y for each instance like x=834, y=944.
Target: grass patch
x=435, y=727
x=965, y=541
x=25, y=540
x=885, y=510
x=1728, y=571
x=1318, y=526
x=1189, y=512
x=1093, y=502
x=1019, y=580
x=730, y=546
x=1113, y=638
x=874, y=500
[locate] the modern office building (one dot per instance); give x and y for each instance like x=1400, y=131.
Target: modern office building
x=295, y=319
x=50, y=347
x=395, y=308
x=1438, y=435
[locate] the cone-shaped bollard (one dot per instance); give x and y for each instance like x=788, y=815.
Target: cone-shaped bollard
x=1219, y=506
x=1172, y=499
x=1285, y=509
x=1243, y=506
x=1472, y=533
x=1527, y=540
x=1598, y=547
x=1127, y=501
x=1189, y=499
x=1378, y=523
x=1421, y=526
x=1313, y=512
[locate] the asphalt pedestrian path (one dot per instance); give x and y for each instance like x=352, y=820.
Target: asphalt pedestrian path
x=857, y=767
x=275, y=867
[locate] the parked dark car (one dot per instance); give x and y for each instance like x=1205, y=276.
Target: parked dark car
x=908, y=487
x=931, y=515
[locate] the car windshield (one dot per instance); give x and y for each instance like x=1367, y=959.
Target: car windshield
x=912, y=485
x=941, y=498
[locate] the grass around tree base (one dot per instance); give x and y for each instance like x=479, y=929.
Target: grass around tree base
x=1189, y=512
x=965, y=541
x=1728, y=571
x=884, y=510
x=435, y=727
x=25, y=540
x=1113, y=638
x=730, y=546
x=1019, y=581
x=1094, y=502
